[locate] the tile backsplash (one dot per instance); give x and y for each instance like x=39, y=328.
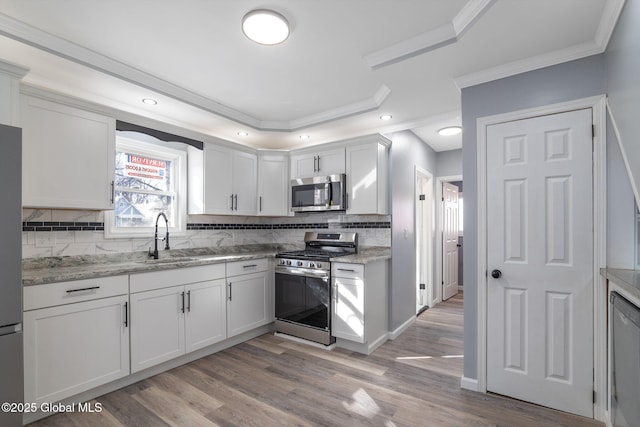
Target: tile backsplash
x=47, y=232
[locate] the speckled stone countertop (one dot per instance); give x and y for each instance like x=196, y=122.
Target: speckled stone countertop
x=628, y=280
x=366, y=255
x=38, y=271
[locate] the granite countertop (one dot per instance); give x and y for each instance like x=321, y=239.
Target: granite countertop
x=366, y=255
x=38, y=271
x=628, y=280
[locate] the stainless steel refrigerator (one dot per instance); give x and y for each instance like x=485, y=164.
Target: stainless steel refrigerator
x=11, y=364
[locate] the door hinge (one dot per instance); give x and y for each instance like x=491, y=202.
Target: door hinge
x=593, y=131
x=594, y=396
x=422, y=197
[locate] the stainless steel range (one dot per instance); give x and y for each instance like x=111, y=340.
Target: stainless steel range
x=303, y=285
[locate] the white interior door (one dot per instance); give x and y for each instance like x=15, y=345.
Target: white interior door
x=449, y=241
x=540, y=261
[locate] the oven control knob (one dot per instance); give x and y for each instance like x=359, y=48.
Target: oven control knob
x=299, y=263
x=288, y=262
x=311, y=265
x=318, y=265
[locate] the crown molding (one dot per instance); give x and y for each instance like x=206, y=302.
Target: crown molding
x=430, y=40
x=13, y=70
x=610, y=15
x=65, y=49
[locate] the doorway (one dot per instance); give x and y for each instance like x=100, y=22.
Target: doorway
x=449, y=232
x=424, y=220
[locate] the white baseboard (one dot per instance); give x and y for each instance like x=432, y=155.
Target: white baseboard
x=400, y=329
x=469, y=383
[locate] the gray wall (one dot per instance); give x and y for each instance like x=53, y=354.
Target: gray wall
x=407, y=151
x=622, y=64
x=564, y=82
x=621, y=217
x=449, y=163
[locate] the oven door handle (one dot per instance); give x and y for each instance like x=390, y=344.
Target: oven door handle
x=324, y=275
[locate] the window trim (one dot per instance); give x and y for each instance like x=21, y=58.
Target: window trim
x=179, y=157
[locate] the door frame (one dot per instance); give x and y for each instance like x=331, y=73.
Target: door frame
x=598, y=107
x=429, y=204
x=439, y=227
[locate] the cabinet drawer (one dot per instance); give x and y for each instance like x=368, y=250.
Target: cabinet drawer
x=60, y=293
x=349, y=271
x=237, y=268
x=180, y=276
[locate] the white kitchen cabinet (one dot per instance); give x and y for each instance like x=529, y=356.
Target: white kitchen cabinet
x=174, y=312
x=250, y=295
x=273, y=184
x=367, y=172
x=68, y=156
x=359, y=305
x=221, y=181
x=318, y=163
x=73, y=347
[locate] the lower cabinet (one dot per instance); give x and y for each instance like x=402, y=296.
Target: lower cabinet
x=359, y=318
x=250, y=296
x=175, y=320
x=74, y=347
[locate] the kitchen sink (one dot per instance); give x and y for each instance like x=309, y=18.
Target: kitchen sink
x=167, y=260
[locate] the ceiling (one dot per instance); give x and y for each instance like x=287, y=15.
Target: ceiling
x=344, y=65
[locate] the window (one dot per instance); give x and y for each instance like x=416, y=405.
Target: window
x=149, y=179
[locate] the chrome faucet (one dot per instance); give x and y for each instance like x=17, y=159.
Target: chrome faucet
x=154, y=254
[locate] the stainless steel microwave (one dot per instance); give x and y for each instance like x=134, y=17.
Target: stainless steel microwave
x=320, y=193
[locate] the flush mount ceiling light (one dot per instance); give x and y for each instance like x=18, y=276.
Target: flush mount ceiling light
x=386, y=117
x=265, y=27
x=450, y=130
x=149, y=101
x=304, y=137
x=241, y=133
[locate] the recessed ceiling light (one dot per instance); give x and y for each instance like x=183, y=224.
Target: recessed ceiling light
x=386, y=117
x=149, y=101
x=449, y=130
x=265, y=27
x=243, y=133
x=304, y=137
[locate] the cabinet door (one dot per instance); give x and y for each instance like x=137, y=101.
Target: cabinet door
x=303, y=165
x=157, y=327
x=247, y=299
x=74, y=347
x=273, y=185
x=331, y=162
x=245, y=174
x=362, y=179
x=218, y=167
x=206, y=318
x=347, y=318
x=68, y=156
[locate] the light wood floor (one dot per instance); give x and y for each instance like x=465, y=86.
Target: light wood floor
x=269, y=381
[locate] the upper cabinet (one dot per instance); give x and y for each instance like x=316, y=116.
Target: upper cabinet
x=273, y=184
x=368, y=175
x=317, y=163
x=222, y=181
x=68, y=156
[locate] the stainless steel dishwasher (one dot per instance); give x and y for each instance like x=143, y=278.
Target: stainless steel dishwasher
x=625, y=355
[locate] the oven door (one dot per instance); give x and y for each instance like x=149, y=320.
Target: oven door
x=303, y=296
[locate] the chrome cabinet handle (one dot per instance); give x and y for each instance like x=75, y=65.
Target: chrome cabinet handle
x=318, y=163
x=235, y=197
x=229, y=291
x=315, y=169
x=83, y=289
x=182, y=296
x=113, y=191
x=126, y=314
x=189, y=301
x=346, y=269
x=249, y=265
x=260, y=209
x=231, y=201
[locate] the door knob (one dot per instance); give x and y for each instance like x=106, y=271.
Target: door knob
x=496, y=274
